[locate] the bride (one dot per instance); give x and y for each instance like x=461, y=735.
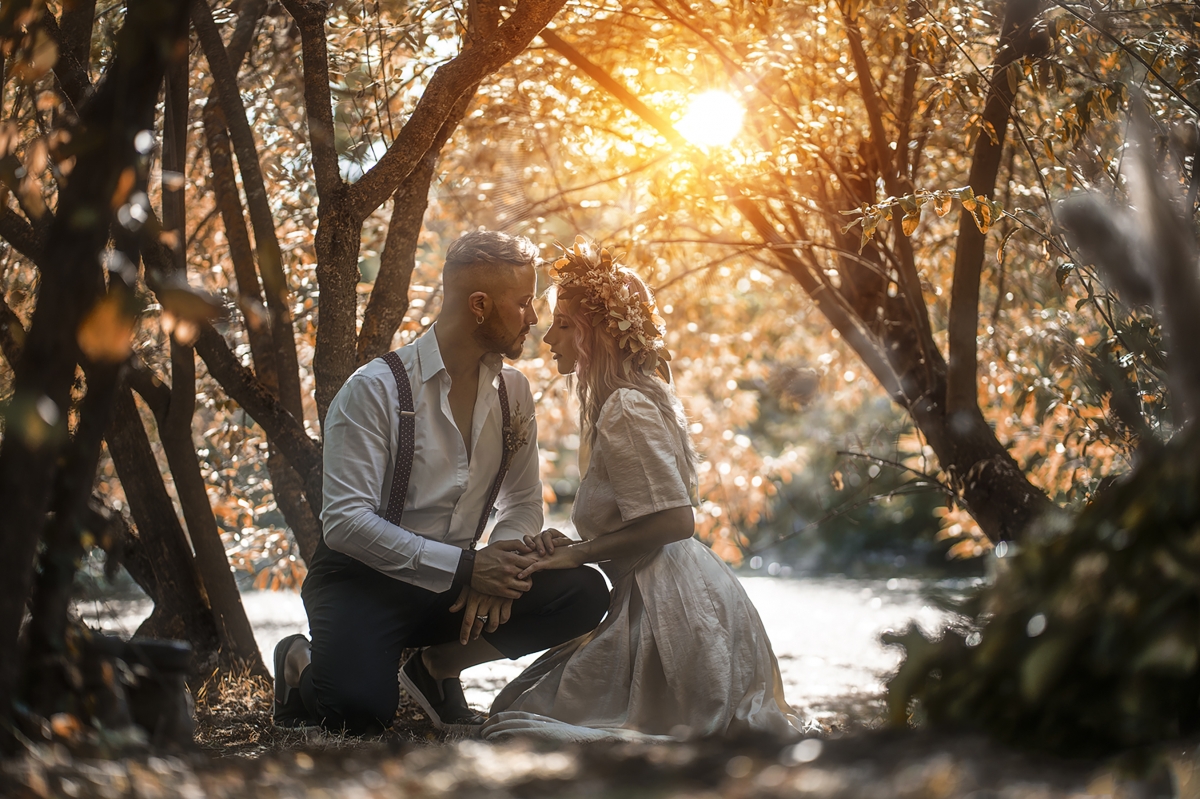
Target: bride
x=682, y=652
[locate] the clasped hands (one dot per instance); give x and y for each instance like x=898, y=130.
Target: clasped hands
x=502, y=573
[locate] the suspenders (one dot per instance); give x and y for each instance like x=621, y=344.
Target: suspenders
x=402, y=472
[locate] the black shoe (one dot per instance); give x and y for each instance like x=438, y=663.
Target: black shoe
x=443, y=700
x=289, y=710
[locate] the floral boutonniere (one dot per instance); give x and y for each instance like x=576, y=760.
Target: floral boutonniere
x=516, y=432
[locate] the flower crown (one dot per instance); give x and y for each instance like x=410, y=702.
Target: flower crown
x=610, y=301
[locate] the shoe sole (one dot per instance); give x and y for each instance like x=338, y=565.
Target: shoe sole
x=417, y=696
x=280, y=658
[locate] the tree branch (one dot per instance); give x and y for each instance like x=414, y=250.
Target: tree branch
x=318, y=100
x=389, y=298
x=906, y=272
x=12, y=333
x=614, y=87
x=826, y=300
x=22, y=235
x=78, y=19
x=962, y=377
x=241, y=251
x=912, y=70
x=448, y=84
x=284, y=430
x=270, y=260
x=71, y=72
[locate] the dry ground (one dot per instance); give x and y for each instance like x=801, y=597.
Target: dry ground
x=239, y=754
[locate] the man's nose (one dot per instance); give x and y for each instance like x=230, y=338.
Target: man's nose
x=531, y=317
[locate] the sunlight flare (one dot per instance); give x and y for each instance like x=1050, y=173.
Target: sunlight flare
x=712, y=120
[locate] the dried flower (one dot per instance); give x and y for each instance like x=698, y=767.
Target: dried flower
x=609, y=301
x=516, y=432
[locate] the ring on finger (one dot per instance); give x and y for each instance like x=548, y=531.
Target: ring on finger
x=481, y=618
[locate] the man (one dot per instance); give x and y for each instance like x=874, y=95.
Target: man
x=391, y=575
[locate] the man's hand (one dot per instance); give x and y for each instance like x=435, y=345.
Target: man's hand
x=480, y=611
x=497, y=566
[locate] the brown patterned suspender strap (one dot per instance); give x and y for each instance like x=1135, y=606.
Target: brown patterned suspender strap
x=502, y=390
x=405, y=449
x=406, y=440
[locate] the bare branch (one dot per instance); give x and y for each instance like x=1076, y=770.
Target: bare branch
x=389, y=298
x=908, y=279
x=284, y=430
x=318, y=101
x=22, y=236
x=961, y=378
x=482, y=56
x=270, y=260
x=71, y=72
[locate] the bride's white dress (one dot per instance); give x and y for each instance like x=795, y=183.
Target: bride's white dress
x=682, y=652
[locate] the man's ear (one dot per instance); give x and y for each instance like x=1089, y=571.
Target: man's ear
x=480, y=304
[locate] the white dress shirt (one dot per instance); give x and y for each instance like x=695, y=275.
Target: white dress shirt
x=447, y=490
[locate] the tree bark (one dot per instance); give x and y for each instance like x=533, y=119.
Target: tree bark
x=47, y=684
x=182, y=610
x=270, y=259
x=175, y=424
x=36, y=423
x=287, y=485
x=962, y=377
x=389, y=297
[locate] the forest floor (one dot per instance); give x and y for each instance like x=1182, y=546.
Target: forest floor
x=238, y=753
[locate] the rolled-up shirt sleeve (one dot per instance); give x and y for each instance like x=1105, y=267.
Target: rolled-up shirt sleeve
x=519, y=505
x=357, y=459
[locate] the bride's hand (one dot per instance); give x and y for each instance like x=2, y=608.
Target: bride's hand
x=565, y=556
x=547, y=541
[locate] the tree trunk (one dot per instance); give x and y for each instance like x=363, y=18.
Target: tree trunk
x=183, y=611
x=962, y=382
x=37, y=419
x=175, y=422
x=389, y=297
x=47, y=684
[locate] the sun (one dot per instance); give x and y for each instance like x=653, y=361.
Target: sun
x=713, y=119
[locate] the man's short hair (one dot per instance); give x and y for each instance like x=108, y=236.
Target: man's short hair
x=489, y=248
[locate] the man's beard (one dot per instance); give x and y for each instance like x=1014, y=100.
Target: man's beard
x=492, y=337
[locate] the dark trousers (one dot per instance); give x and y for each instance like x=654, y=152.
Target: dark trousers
x=361, y=620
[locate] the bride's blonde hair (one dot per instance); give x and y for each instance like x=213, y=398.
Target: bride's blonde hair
x=604, y=365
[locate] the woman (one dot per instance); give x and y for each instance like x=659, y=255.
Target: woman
x=682, y=652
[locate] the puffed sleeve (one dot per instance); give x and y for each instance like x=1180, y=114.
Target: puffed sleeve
x=639, y=456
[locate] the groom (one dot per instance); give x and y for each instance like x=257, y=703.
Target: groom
x=418, y=446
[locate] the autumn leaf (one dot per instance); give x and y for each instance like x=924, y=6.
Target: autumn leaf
x=106, y=333
x=125, y=182
x=966, y=196
x=1062, y=273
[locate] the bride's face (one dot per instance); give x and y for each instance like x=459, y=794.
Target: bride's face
x=561, y=338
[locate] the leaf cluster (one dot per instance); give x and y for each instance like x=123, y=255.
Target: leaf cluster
x=1089, y=638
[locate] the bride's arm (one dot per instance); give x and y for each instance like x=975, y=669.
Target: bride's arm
x=639, y=537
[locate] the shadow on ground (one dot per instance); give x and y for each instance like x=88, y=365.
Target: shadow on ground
x=239, y=754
